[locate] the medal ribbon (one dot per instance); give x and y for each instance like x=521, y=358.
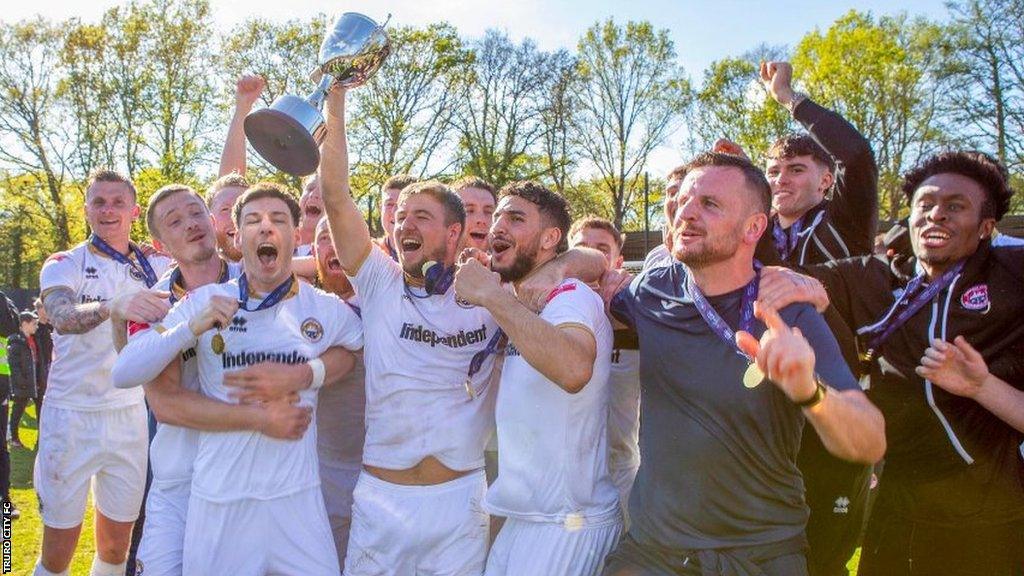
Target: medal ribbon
x=141, y=266
x=176, y=280
x=716, y=322
x=273, y=298
x=912, y=300
x=786, y=239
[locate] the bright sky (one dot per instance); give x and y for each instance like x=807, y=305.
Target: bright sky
x=703, y=31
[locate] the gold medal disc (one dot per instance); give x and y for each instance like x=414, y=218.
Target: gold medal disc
x=753, y=376
x=217, y=344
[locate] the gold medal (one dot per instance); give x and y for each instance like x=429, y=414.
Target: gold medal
x=752, y=376
x=217, y=344
x=469, y=389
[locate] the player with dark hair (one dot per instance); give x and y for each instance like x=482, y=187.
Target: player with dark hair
x=727, y=387
x=941, y=339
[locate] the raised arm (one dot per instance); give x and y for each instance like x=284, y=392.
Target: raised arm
x=584, y=264
x=247, y=90
x=855, y=196
x=351, y=235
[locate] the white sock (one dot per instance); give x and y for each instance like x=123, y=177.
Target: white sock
x=41, y=571
x=101, y=568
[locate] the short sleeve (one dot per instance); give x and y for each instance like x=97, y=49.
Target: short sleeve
x=60, y=269
x=574, y=303
x=829, y=363
x=377, y=270
x=347, y=330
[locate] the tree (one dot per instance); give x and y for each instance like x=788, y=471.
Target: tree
x=985, y=77
x=499, y=111
x=30, y=119
x=402, y=118
x=557, y=117
x=880, y=76
x=180, y=95
x=631, y=97
x=733, y=103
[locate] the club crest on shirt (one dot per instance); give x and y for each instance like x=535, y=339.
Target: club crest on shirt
x=135, y=273
x=312, y=329
x=976, y=298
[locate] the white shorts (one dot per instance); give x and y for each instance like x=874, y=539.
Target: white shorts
x=524, y=547
x=337, y=483
x=422, y=530
x=287, y=535
x=623, y=480
x=163, y=536
x=107, y=447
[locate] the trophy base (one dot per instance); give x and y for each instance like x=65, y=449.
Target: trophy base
x=287, y=134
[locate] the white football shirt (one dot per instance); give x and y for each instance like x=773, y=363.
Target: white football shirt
x=80, y=374
x=624, y=410
x=418, y=352
x=553, y=462
x=173, y=449
x=240, y=465
x=341, y=418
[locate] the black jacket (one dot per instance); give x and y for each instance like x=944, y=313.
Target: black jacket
x=949, y=461
x=844, y=224
x=10, y=323
x=23, y=367
x=44, y=355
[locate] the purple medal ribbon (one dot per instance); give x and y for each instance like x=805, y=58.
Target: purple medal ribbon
x=786, y=239
x=716, y=322
x=176, y=279
x=274, y=297
x=142, y=267
x=911, y=301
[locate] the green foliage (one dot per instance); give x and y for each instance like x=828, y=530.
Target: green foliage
x=733, y=104
x=148, y=88
x=632, y=95
x=880, y=75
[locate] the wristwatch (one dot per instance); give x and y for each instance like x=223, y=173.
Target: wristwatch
x=820, y=388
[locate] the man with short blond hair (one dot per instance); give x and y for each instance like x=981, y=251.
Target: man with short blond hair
x=91, y=431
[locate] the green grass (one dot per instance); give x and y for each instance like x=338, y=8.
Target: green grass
x=28, y=530
x=27, y=533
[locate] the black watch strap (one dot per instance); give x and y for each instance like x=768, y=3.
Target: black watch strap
x=819, y=394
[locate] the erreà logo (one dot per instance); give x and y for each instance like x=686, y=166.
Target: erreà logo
x=90, y=273
x=976, y=298
x=238, y=324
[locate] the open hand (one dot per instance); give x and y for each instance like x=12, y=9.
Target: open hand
x=955, y=367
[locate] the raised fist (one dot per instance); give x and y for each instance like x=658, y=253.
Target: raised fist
x=777, y=77
x=247, y=89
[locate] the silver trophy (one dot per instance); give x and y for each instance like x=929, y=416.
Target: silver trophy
x=288, y=133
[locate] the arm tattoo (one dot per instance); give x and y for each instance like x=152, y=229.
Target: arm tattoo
x=69, y=317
